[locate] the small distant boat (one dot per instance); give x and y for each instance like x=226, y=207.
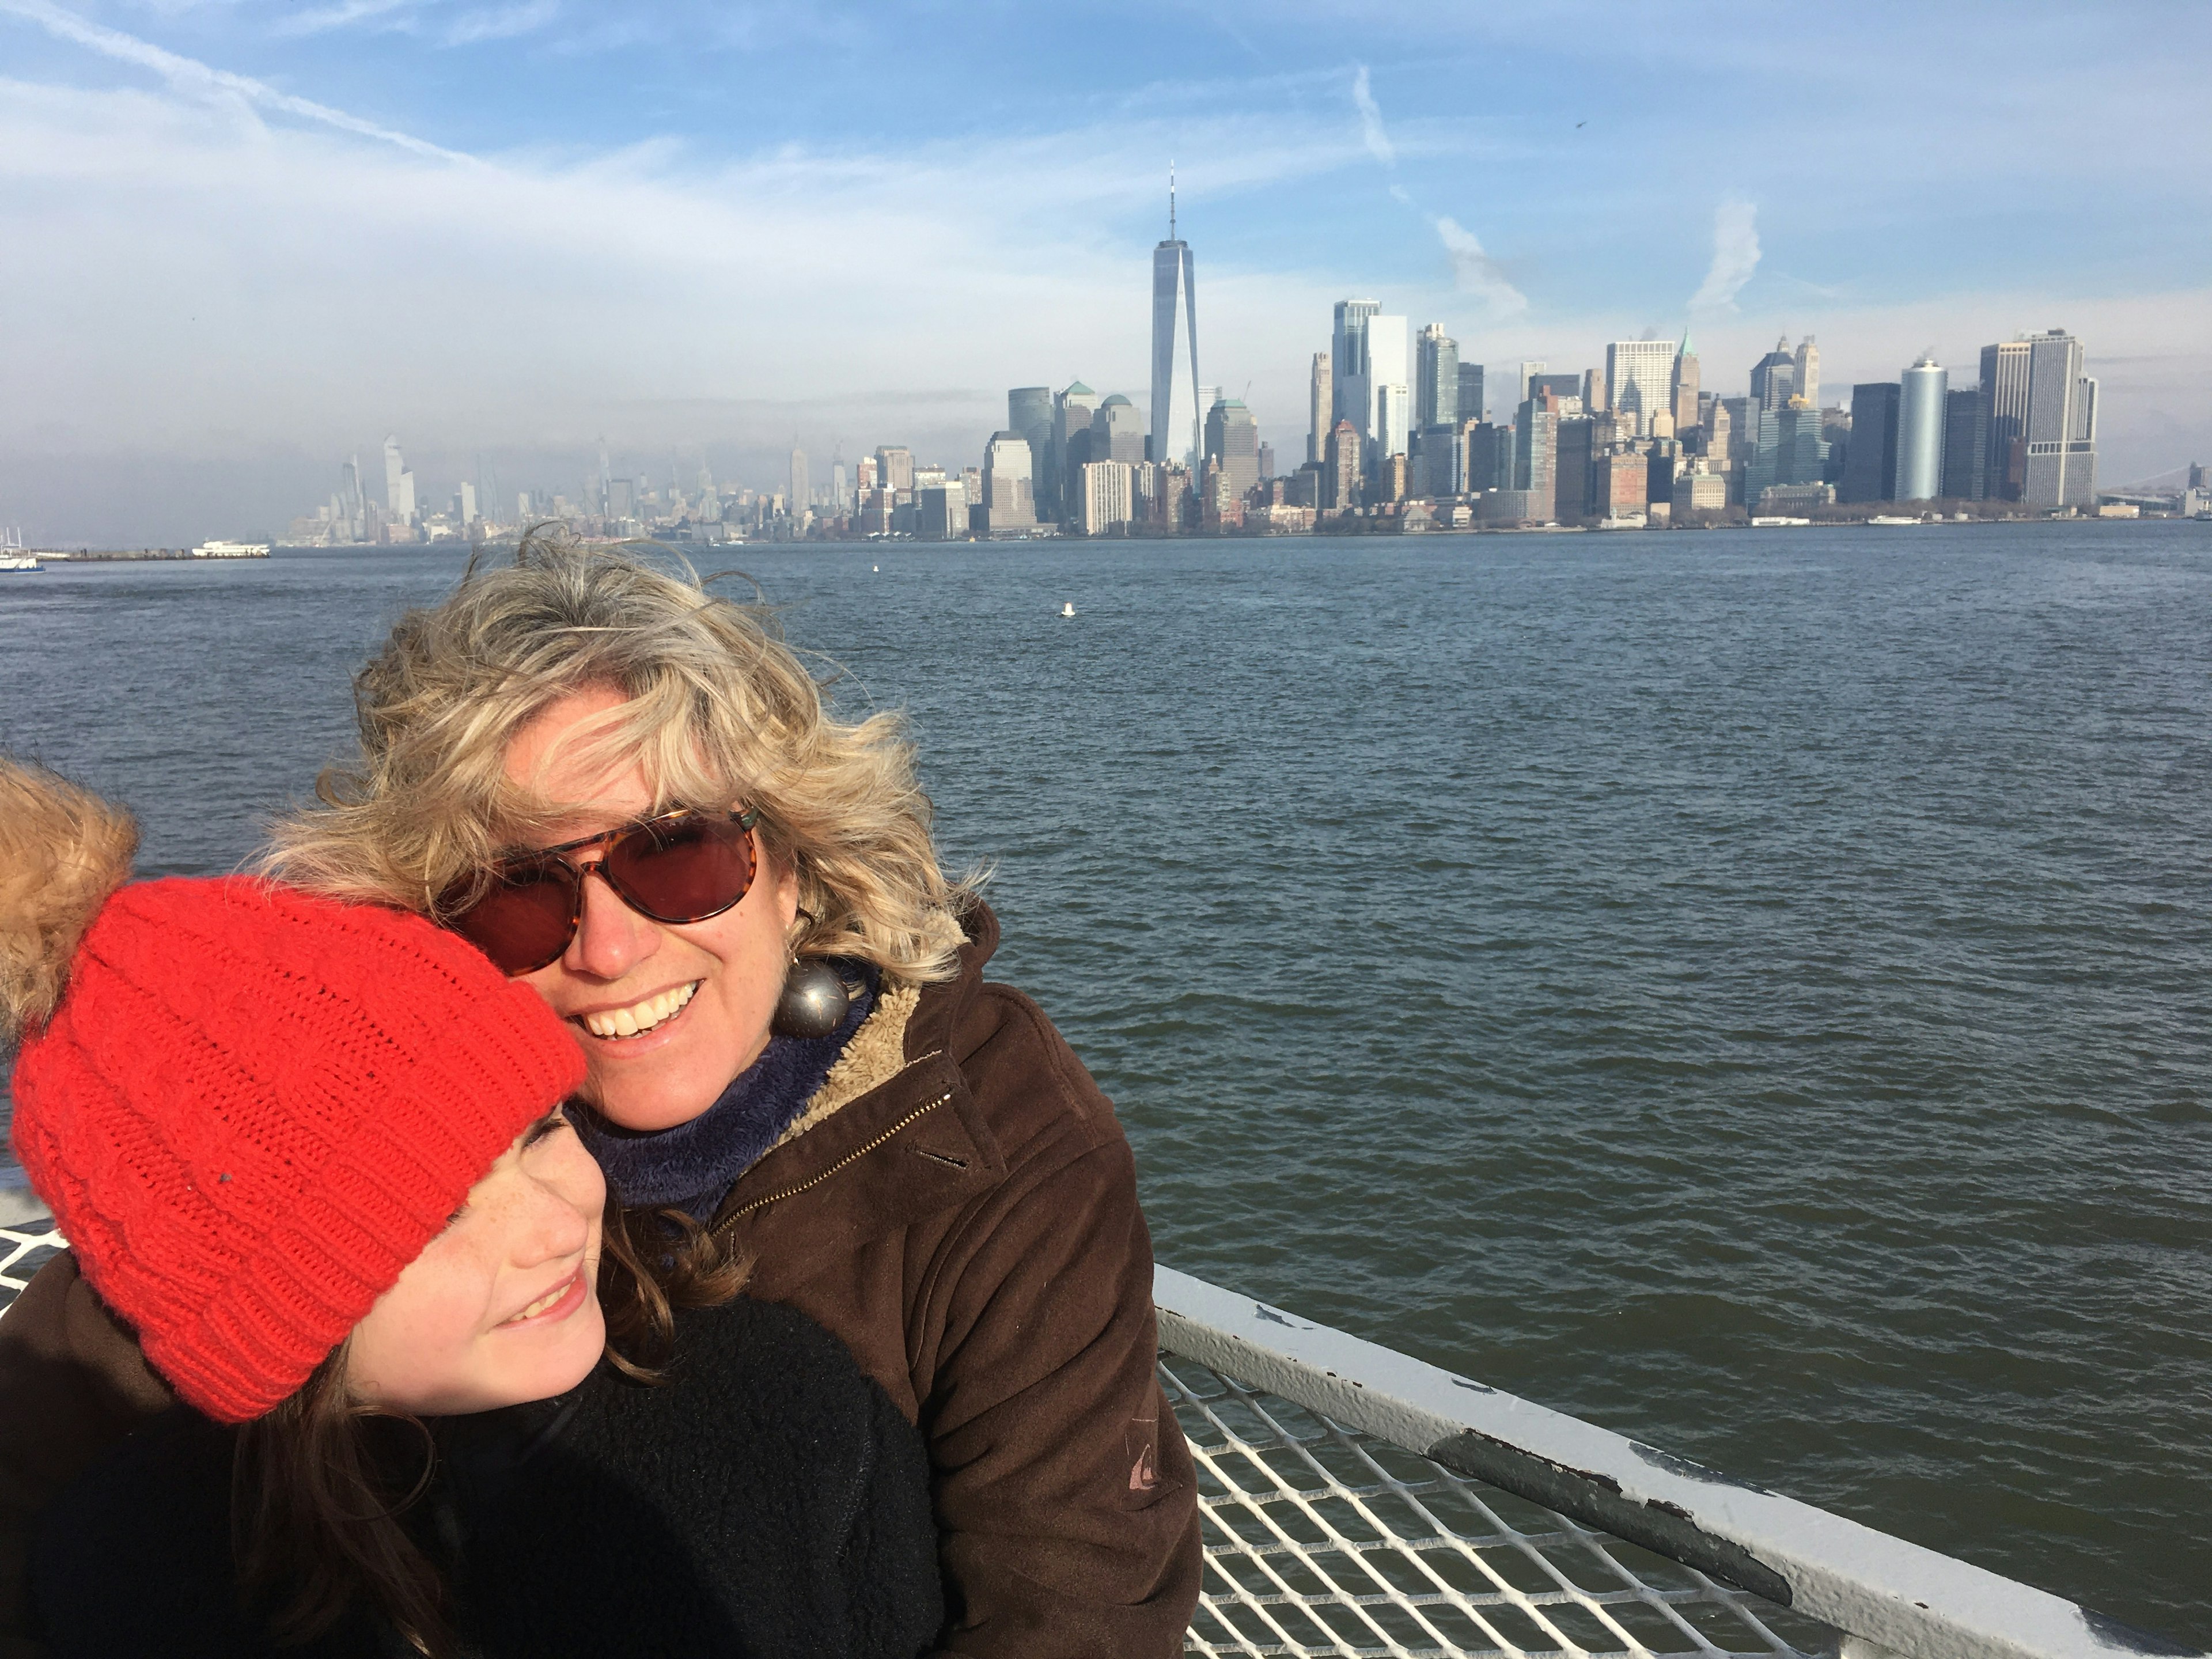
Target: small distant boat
x=1067, y=609
x=878, y=568
x=16, y=559
x=1891, y=518
x=231, y=550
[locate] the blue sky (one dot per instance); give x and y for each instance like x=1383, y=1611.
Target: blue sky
x=248, y=237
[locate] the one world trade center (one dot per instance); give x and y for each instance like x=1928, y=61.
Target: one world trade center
x=1175, y=413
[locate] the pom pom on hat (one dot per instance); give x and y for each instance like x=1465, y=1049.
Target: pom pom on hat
x=252, y=1107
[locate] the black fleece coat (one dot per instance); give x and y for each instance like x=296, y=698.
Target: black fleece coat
x=766, y=1499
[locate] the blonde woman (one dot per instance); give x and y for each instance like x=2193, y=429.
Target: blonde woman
x=629, y=794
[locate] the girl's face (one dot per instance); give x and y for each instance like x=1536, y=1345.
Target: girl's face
x=503, y=1306
x=697, y=997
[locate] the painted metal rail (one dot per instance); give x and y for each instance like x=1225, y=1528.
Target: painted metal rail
x=1357, y=1502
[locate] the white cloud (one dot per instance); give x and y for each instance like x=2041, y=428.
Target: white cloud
x=192, y=79
x=500, y=23
x=1476, y=273
x=1370, y=120
x=1735, y=256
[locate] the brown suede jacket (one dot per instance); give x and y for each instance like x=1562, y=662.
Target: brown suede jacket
x=958, y=1204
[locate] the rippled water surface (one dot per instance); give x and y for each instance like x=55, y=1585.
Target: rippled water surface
x=1750, y=990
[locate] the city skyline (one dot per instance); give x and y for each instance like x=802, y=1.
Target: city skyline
x=277, y=246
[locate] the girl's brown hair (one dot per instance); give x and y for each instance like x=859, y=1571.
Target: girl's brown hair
x=318, y=1484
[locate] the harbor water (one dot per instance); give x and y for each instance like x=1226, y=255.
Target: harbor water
x=1752, y=990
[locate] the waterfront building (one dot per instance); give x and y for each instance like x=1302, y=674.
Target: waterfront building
x=1684, y=386
x=1471, y=407
x=1389, y=386
x=1267, y=462
x=1437, y=461
x=1966, y=445
x=1344, y=466
x=1436, y=379
x=1621, y=483
x=1836, y=433
x=1663, y=465
x=1232, y=441
x=1795, y=499
x=1786, y=448
x=1394, y=406
x=941, y=510
x=1489, y=457
x=1321, y=411
x=1106, y=501
x=1009, y=486
x=2004, y=419
x=1029, y=412
x=1700, y=491
x=1806, y=380
x=398, y=485
x=1176, y=406
x=802, y=488
x=621, y=499
x=465, y=506
x=1575, y=448
x=1071, y=414
x=1921, y=407
x=895, y=468
x=1117, y=432
x=1871, y=474
x=1639, y=382
x=2060, y=439
x=1535, y=460
x=1774, y=378
x=1351, y=385
x=864, y=475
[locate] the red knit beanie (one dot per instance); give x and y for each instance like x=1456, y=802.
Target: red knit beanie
x=252, y=1108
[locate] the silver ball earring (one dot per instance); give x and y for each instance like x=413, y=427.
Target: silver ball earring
x=814, y=1000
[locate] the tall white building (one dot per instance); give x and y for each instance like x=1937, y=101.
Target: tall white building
x=1920, y=410
x=398, y=485
x=802, y=486
x=1390, y=396
x=1807, y=385
x=1009, y=490
x=1107, y=496
x=1176, y=407
x=1639, y=381
x=2061, y=432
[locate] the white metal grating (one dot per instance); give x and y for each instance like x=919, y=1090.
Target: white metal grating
x=1320, y=1539
x=22, y=1248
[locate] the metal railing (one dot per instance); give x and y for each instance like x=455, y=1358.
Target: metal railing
x=1358, y=1502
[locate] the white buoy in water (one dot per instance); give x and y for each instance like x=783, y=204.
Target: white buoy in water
x=878, y=568
x=1067, y=609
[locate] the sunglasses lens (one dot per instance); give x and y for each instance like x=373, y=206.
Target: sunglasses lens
x=524, y=919
x=682, y=869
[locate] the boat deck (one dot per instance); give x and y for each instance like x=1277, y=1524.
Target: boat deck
x=1358, y=1502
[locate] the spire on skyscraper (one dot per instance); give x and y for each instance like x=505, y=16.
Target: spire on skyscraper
x=1172, y=216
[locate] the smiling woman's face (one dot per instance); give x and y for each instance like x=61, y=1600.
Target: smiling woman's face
x=698, y=997
x=503, y=1306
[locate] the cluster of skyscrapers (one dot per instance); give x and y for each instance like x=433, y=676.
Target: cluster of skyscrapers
x=1399, y=434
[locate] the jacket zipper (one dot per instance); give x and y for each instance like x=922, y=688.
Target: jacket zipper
x=858, y=1152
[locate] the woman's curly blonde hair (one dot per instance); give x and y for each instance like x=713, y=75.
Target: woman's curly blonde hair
x=719, y=712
